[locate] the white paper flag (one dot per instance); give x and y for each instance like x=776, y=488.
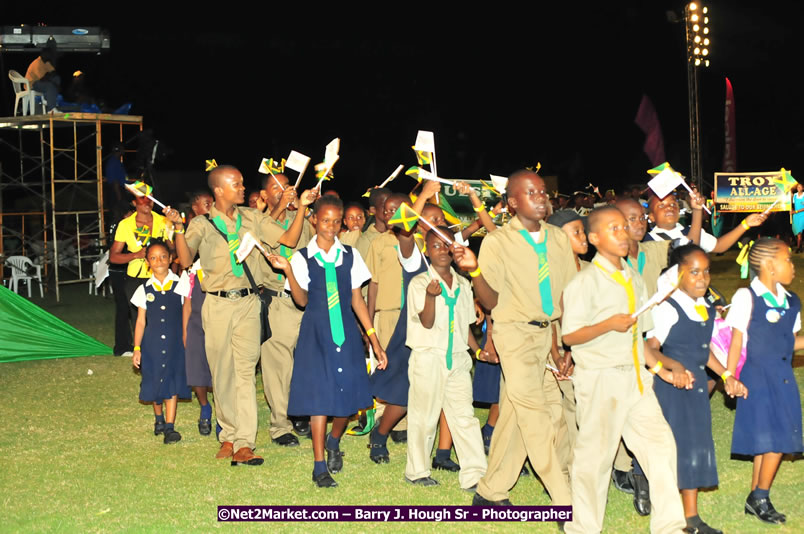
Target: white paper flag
x=247, y=244
x=427, y=175
x=425, y=141
x=331, y=152
x=264, y=166
x=499, y=183
x=297, y=161
x=663, y=183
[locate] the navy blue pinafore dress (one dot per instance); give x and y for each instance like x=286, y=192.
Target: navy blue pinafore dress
x=327, y=379
x=392, y=384
x=162, y=365
x=769, y=420
x=687, y=410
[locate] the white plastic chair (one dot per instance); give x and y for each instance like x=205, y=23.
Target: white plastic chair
x=19, y=272
x=98, y=271
x=24, y=93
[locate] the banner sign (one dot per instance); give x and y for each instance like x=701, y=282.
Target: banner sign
x=750, y=191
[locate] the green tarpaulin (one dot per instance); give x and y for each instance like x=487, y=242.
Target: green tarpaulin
x=27, y=332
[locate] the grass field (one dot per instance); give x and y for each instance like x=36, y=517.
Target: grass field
x=79, y=455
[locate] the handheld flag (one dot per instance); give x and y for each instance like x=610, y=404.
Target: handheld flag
x=141, y=189
x=268, y=166
x=786, y=182
x=449, y=214
x=667, y=283
x=425, y=142
x=247, y=244
x=297, y=162
x=404, y=217
x=499, y=183
x=390, y=178
x=422, y=157
x=211, y=164
x=535, y=169
x=664, y=180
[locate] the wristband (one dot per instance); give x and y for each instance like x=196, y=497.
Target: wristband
x=370, y=331
x=477, y=353
x=138, y=348
x=478, y=209
x=726, y=374
x=656, y=368
x=475, y=273
x=179, y=231
x=745, y=225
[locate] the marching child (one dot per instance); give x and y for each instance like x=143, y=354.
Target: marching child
x=440, y=310
x=768, y=421
x=158, y=348
x=329, y=373
x=683, y=328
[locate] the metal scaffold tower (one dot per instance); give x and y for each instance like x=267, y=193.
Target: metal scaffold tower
x=51, y=189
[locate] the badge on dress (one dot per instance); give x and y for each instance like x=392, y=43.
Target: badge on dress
x=150, y=298
x=772, y=316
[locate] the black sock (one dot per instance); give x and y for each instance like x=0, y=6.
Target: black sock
x=694, y=521
x=333, y=444
x=168, y=426
x=442, y=455
x=160, y=419
x=379, y=438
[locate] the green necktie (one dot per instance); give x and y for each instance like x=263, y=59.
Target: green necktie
x=333, y=298
x=771, y=300
x=284, y=251
x=234, y=242
x=544, y=271
x=640, y=261
x=450, y=301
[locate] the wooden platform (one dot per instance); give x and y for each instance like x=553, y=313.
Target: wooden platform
x=51, y=120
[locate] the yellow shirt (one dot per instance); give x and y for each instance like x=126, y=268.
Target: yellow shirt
x=37, y=70
x=510, y=266
x=213, y=249
x=127, y=233
x=437, y=337
x=386, y=271
x=594, y=296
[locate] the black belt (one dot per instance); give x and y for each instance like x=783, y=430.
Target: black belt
x=277, y=294
x=540, y=324
x=232, y=294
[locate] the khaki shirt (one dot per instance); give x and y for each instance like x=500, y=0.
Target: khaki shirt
x=365, y=240
x=655, y=260
x=592, y=297
x=351, y=238
x=269, y=277
x=386, y=271
x=204, y=238
x=437, y=337
x=510, y=266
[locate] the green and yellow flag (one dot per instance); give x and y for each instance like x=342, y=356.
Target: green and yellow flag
x=211, y=164
x=320, y=169
x=449, y=213
x=413, y=172
x=404, y=217
x=786, y=182
x=423, y=157
x=141, y=188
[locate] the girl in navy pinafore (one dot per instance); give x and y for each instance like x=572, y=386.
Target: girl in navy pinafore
x=329, y=371
x=768, y=422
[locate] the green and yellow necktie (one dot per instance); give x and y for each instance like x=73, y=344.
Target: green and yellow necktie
x=544, y=271
x=629, y=290
x=333, y=298
x=284, y=251
x=234, y=242
x=640, y=261
x=450, y=301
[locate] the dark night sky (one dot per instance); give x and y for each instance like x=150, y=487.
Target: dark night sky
x=500, y=90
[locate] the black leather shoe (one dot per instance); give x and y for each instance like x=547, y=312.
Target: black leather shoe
x=399, y=436
x=641, y=493
x=424, y=481
x=302, y=428
x=479, y=500
x=763, y=510
x=159, y=428
x=446, y=465
x=286, y=440
x=205, y=427
x=171, y=436
x=622, y=481
x=334, y=459
x=702, y=528
x=325, y=480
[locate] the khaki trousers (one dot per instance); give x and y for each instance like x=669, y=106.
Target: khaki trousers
x=432, y=388
x=276, y=362
x=232, y=331
x=610, y=406
x=526, y=426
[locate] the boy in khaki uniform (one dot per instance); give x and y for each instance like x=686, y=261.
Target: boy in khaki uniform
x=440, y=310
x=276, y=354
x=522, y=308
x=231, y=310
x=377, y=199
x=613, y=390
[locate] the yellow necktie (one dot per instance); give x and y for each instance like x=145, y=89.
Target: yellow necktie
x=629, y=290
x=702, y=312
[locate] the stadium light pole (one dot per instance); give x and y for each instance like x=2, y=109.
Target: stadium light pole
x=696, y=17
